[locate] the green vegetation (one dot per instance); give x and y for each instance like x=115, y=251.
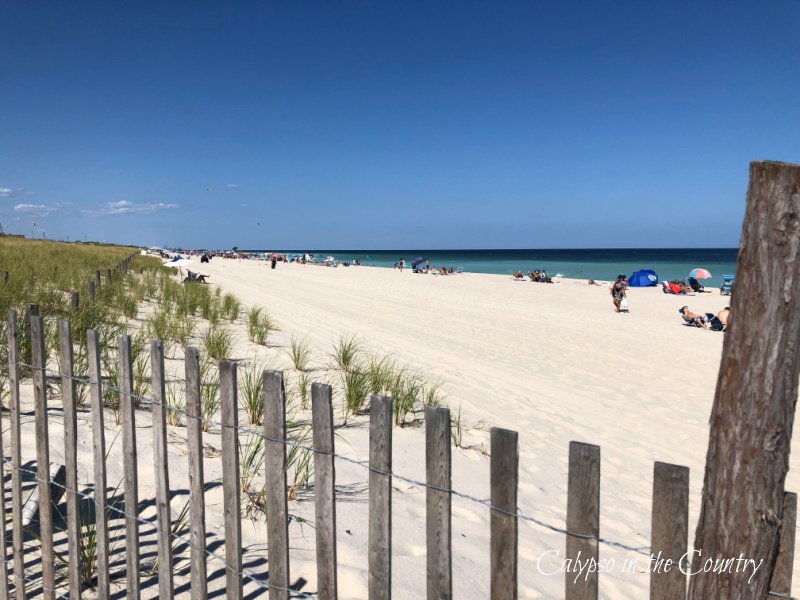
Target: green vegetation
x=259, y=326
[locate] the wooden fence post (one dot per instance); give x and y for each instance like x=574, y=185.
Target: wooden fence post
x=161, y=466
x=503, y=520
x=438, y=503
x=99, y=450
x=109, y=277
x=39, y=361
x=583, y=518
x=324, y=490
x=756, y=394
x=275, y=472
x=197, y=506
x=70, y=458
x=97, y=281
x=380, y=498
x=231, y=484
x=74, y=302
x=130, y=467
x=92, y=292
x=782, y=575
x=669, y=532
x=4, y=589
x=17, y=502
x=5, y=277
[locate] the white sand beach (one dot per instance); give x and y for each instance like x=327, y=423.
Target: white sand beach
x=553, y=362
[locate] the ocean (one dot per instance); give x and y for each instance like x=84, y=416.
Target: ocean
x=605, y=264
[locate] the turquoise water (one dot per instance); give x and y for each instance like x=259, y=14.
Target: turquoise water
x=669, y=263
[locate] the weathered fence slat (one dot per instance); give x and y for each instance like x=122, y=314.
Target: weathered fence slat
x=669, y=533
x=231, y=484
x=97, y=281
x=109, y=276
x=161, y=460
x=380, y=498
x=503, y=521
x=17, y=533
x=324, y=490
x=438, y=503
x=276, y=492
x=92, y=292
x=99, y=450
x=781, y=582
x=39, y=359
x=130, y=466
x=68, y=388
x=74, y=302
x=4, y=588
x=583, y=517
x=197, y=505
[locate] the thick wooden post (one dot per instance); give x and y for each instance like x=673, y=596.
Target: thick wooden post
x=39, y=361
x=583, y=518
x=275, y=470
x=669, y=532
x=754, y=407
x=324, y=490
x=71, y=459
x=97, y=280
x=74, y=302
x=438, y=501
x=161, y=466
x=231, y=484
x=99, y=451
x=109, y=277
x=503, y=519
x=92, y=292
x=380, y=498
x=130, y=467
x=17, y=502
x=197, y=504
x=782, y=575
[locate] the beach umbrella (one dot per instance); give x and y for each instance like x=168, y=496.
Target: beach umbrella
x=178, y=262
x=418, y=261
x=700, y=274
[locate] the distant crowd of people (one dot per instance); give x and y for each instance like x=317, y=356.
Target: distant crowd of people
x=535, y=276
x=426, y=268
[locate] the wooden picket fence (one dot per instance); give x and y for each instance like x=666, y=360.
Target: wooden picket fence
x=669, y=533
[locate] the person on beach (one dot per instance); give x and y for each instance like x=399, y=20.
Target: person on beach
x=618, y=293
x=402, y=264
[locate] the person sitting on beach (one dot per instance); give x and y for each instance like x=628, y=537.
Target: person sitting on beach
x=693, y=319
x=442, y=270
x=518, y=276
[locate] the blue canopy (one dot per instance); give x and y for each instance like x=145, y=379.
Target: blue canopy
x=643, y=278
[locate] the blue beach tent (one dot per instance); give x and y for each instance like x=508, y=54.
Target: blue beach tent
x=643, y=278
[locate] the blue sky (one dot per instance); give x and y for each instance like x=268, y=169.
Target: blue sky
x=392, y=124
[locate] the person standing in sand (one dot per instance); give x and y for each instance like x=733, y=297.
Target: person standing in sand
x=618, y=293
x=402, y=264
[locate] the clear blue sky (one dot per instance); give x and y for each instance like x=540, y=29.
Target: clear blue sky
x=393, y=124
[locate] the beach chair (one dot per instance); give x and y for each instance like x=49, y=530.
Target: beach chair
x=695, y=285
x=195, y=277
x=727, y=285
